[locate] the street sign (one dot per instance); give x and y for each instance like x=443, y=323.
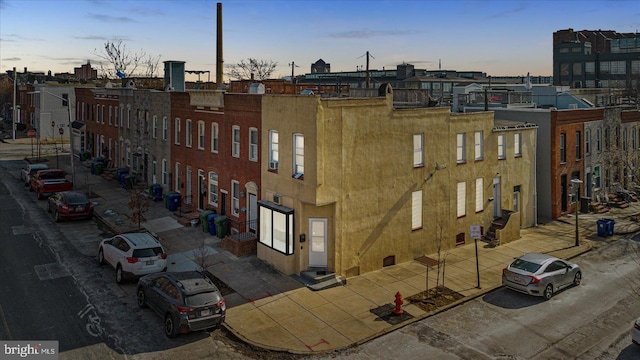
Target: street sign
x=31, y=133
x=61, y=131
x=476, y=231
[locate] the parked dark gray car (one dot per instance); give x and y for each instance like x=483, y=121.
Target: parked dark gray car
x=187, y=301
x=540, y=275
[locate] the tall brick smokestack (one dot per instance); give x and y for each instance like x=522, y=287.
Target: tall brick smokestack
x=219, y=61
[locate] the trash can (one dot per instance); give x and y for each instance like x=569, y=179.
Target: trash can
x=222, y=226
x=610, y=223
x=203, y=219
x=122, y=177
x=99, y=168
x=120, y=171
x=211, y=219
x=100, y=160
x=174, y=201
x=129, y=181
x=93, y=167
x=602, y=227
x=157, y=192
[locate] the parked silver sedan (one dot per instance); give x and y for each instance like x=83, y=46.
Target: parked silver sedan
x=540, y=275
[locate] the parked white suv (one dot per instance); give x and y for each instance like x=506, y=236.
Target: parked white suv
x=133, y=255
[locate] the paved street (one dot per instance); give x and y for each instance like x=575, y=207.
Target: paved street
x=592, y=321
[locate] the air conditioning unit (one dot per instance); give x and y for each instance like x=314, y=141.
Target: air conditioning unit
x=276, y=198
x=273, y=165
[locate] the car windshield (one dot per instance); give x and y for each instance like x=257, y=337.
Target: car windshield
x=202, y=299
x=149, y=252
x=77, y=199
x=525, y=265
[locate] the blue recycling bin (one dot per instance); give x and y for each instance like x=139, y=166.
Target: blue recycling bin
x=93, y=167
x=603, y=227
x=211, y=219
x=122, y=177
x=120, y=171
x=157, y=192
x=610, y=223
x=174, y=201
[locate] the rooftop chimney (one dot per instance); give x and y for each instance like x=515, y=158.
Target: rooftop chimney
x=219, y=61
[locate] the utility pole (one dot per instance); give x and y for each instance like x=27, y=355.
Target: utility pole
x=293, y=66
x=13, y=115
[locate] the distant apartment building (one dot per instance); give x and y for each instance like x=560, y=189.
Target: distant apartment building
x=596, y=59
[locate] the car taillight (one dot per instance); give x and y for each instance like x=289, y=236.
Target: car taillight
x=64, y=208
x=184, y=309
x=534, y=280
x=163, y=256
x=132, y=260
x=504, y=272
x=222, y=304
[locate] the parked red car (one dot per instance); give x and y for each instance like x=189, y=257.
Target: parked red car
x=70, y=205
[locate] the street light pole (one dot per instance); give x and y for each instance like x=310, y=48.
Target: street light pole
x=13, y=115
x=576, y=183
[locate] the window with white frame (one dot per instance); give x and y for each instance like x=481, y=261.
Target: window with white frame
x=479, y=195
x=176, y=140
x=418, y=150
x=154, y=125
x=563, y=147
x=154, y=171
x=273, y=150
x=213, y=189
x=177, y=186
x=624, y=139
x=633, y=139
x=128, y=155
x=165, y=128
x=502, y=147
x=596, y=177
x=478, y=145
x=461, y=199
x=587, y=142
x=276, y=228
x=200, y=134
x=128, y=117
x=164, y=171
x=102, y=114
x=416, y=210
x=110, y=115
x=115, y=116
x=235, y=197
x=599, y=139
x=235, y=141
x=298, y=156
x=97, y=113
x=189, y=133
x=578, y=145
x=517, y=144
x=253, y=144
x=122, y=116
x=214, y=137
x=460, y=149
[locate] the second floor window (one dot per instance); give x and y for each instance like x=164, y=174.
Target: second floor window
x=214, y=137
x=418, y=153
x=154, y=127
x=587, y=142
x=201, y=135
x=298, y=156
x=253, y=144
x=177, y=132
x=502, y=146
x=460, y=148
x=578, y=145
x=478, y=145
x=189, y=133
x=164, y=128
x=517, y=144
x=273, y=150
x=235, y=138
x=598, y=139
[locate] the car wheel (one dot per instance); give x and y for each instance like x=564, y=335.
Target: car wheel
x=142, y=301
x=577, y=279
x=548, y=292
x=169, y=326
x=101, y=256
x=119, y=277
x=56, y=216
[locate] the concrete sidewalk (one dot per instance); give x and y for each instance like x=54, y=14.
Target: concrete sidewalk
x=270, y=310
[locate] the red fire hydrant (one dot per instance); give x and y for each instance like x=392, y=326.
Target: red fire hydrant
x=398, y=310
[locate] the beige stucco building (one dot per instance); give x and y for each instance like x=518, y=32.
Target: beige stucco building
x=351, y=184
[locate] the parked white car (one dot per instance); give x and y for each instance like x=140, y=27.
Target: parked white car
x=30, y=170
x=133, y=255
x=635, y=332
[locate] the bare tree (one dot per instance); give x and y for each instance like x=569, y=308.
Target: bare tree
x=259, y=69
x=139, y=203
x=117, y=60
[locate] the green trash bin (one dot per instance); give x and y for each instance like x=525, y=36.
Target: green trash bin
x=203, y=219
x=99, y=168
x=222, y=226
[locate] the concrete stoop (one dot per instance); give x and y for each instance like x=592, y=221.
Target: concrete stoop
x=319, y=279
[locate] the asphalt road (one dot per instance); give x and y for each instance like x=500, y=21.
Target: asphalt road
x=39, y=298
x=592, y=321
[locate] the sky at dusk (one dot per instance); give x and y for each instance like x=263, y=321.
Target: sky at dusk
x=505, y=37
